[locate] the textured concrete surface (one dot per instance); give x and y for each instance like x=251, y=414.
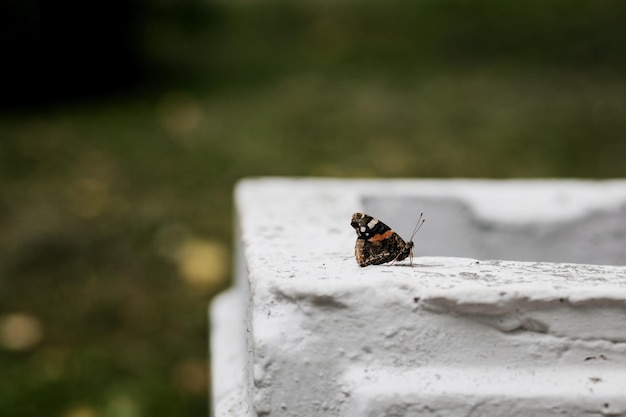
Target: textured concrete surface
x=306, y=332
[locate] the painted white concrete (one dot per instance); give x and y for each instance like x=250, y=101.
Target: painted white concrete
x=307, y=332
x=228, y=364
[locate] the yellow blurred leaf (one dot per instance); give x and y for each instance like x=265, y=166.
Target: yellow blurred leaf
x=19, y=331
x=82, y=411
x=203, y=262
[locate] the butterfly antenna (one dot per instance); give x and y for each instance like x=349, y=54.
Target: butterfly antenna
x=419, y=224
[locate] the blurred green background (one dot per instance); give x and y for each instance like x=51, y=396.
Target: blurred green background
x=124, y=127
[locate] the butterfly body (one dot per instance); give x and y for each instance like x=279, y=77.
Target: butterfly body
x=376, y=243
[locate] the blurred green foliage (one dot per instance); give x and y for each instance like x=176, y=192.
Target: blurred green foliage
x=99, y=194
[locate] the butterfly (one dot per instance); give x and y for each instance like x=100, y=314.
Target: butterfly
x=377, y=244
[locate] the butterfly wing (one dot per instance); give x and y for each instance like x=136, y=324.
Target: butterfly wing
x=376, y=243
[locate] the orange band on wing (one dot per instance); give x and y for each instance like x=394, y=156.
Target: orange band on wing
x=384, y=236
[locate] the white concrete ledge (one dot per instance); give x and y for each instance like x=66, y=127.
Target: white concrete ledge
x=489, y=332
x=229, y=363
x=489, y=391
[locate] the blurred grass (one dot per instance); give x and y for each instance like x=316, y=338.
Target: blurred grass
x=115, y=212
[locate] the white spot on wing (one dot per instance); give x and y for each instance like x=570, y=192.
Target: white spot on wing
x=372, y=223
